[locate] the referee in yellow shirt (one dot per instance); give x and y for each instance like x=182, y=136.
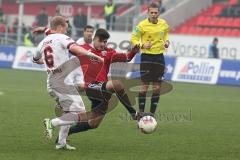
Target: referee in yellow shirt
x=152, y=35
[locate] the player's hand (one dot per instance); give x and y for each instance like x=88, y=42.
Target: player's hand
x=135, y=49
x=101, y=59
x=147, y=45
x=167, y=43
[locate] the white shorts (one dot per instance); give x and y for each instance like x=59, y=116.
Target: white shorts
x=66, y=95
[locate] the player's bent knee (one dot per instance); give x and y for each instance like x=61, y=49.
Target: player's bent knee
x=117, y=85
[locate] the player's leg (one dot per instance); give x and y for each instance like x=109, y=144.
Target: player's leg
x=142, y=95
x=146, y=77
x=99, y=108
x=62, y=141
x=155, y=96
x=95, y=117
x=115, y=86
x=158, y=68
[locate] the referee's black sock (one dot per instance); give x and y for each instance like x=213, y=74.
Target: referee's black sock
x=154, y=102
x=79, y=127
x=141, y=101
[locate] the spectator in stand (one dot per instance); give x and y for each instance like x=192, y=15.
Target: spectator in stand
x=2, y=32
x=14, y=28
x=57, y=12
x=1, y=15
x=42, y=18
x=213, y=49
x=2, y=27
x=28, y=39
x=161, y=8
x=79, y=22
x=109, y=13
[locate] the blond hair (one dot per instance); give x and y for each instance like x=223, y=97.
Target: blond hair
x=57, y=21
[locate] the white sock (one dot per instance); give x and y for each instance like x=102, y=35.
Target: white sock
x=63, y=134
x=65, y=119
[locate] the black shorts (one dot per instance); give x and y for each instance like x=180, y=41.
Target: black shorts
x=152, y=67
x=97, y=94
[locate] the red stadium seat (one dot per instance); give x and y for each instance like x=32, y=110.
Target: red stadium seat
x=205, y=31
x=206, y=21
x=222, y=22
x=184, y=30
x=213, y=22
x=236, y=23
x=234, y=33
x=233, y=2
x=198, y=30
x=195, y=30
x=191, y=30
x=227, y=32
x=213, y=31
x=217, y=10
x=200, y=20
x=220, y=31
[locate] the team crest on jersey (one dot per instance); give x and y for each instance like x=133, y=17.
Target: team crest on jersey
x=104, y=53
x=136, y=30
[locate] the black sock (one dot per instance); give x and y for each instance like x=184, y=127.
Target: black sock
x=123, y=97
x=79, y=127
x=154, y=102
x=141, y=101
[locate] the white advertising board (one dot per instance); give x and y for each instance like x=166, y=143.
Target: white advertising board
x=23, y=59
x=196, y=70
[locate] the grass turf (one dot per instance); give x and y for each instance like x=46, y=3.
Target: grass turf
x=197, y=122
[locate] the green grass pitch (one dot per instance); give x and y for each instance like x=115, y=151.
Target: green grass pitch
x=196, y=122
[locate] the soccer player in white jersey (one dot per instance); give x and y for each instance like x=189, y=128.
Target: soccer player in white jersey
x=87, y=35
x=53, y=51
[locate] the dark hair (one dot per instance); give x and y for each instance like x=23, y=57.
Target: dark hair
x=153, y=5
x=102, y=34
x=88, y=27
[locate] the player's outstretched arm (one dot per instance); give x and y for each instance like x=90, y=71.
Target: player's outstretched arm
x=78, y=51
x=121, y=57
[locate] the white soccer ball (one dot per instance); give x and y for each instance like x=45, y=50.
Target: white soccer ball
x=147, y=124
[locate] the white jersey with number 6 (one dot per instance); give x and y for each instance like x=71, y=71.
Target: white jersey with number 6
x=54, y=50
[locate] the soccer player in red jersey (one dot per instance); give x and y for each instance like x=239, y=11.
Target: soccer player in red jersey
x=97, y=86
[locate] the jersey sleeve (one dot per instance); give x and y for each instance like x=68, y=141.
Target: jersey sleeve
x=110, y=54
x=80, y=41
x=37, y=55
x=66, y=41
x=166, y=30
x=136, y=35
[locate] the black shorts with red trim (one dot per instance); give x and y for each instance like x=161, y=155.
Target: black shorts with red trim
x=97, y=94
x=152, y=67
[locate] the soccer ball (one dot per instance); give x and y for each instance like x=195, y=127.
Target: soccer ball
x=147, y=124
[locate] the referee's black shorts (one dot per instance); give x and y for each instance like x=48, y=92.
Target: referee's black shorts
x=152, y=67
